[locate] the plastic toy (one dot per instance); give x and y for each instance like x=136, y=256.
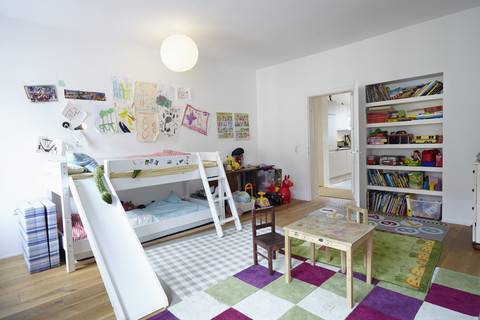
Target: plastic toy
x=416, y=161
x=272, y=188
x=262, y=202
x=285, y=189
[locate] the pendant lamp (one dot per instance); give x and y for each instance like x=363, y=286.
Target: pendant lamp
x=179, y=53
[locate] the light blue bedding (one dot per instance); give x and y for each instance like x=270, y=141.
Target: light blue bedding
x=161, y=210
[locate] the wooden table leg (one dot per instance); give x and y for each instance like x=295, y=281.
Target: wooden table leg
x=342, y=261
x=369, y=251
x=288, y=258
x=349, y=278
x=312, y=253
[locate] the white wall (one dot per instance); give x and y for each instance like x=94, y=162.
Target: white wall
x=449, y=44
x=33, y=54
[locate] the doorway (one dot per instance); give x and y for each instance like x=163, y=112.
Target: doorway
x=334, y=143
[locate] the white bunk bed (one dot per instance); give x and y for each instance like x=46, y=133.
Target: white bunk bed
x=155, y=170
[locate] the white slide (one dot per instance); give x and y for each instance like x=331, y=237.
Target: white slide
x=132, y=285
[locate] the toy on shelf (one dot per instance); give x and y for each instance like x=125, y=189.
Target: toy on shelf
x=237, y=155
x=272, y=188
x=426, y=139
x=416, y=161
x=429, y=157
x=261, y=201
x=285, y=189
x=232, y=164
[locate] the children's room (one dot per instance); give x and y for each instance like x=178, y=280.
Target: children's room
x=164, y=160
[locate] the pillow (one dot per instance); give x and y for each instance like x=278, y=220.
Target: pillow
x=173, y=198
x=73, y=168
x=83, y=160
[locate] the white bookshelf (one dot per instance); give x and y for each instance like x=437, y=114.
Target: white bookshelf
x=432, y=126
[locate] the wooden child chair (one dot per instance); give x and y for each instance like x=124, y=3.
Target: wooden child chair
x=271, y=241
x=360, y=215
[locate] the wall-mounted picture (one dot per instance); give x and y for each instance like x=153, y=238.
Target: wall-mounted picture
x=84, y=95
x=105, y=119
x=49, y=146
x=41, y=93
x=242, y=126
x=122, y=90
x=195, y=119
x=224, y=125
x=183, y=93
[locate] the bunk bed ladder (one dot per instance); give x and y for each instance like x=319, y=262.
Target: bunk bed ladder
x=224, y=192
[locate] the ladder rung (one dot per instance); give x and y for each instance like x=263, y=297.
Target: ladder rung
x=227, y=220
x=215, y=178
x=220, y=199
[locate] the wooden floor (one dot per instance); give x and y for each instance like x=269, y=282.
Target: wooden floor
x=55, y=294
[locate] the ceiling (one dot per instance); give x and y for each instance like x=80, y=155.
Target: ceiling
x=246, y=33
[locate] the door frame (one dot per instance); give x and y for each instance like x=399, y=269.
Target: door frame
x=312, y=164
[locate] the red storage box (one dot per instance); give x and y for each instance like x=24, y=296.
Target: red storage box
x=429, y=155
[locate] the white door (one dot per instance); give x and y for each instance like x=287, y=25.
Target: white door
x=354, y=112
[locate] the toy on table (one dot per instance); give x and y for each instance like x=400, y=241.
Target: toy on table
x=416, y=160
x=262, y=202
x=285, y=189
x=237, y=155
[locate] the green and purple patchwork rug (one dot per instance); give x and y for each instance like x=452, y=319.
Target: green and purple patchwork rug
x=319, y=292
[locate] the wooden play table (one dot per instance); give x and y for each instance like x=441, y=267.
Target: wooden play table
x=333, y=233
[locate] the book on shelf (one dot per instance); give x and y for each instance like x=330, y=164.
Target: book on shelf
x=386, y=202
x=380, y=178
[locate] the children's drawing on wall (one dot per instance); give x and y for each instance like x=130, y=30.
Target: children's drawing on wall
x=49, y=146
x=105, y=120
x=183, y=93
x=165, y=95
x=74, y=115
x=224, y=125
x=125, y=118
x=41, y=93
x=169, y=119
x=122, y=90
x=195, y=119
x=145, y=96
x=84, y=95
x=147, y=126
x=242, y=126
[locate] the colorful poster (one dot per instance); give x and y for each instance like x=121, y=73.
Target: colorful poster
x=169, y=119
x=242, y=126
x=122, y=90
x=125, y=118
x=41, y=93
x=224, y=125
x=145, y=96
x=165, y=95
x=195, y=119
x=105, y=120
x=74, y=115
x=147, y=126
x=84, y=95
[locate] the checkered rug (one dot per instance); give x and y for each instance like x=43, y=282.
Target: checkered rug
x=192, y=264
x=406, y=226
x=319, y=292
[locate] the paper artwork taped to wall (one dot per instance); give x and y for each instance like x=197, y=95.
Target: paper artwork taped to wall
x=195, y=119
x=165, y=96
x=41, y=93
x=125, y=118
x=122, y=90
x=105, y=120
x=49, y=146
x=242, y=126
x=183, y=93
x=74, y=115
x=169, y=119
x=147, y=126
x=84, y=95
x=224, y=125
x=145, y=96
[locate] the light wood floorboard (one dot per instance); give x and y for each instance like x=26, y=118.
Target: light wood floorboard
x=56, y=294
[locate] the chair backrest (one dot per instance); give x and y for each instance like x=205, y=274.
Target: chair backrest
x=263, y=218
x=362, y=214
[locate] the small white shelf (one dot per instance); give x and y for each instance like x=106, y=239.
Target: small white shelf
x=406, y=190
x=406, y=146
x=419, y=122
x=402, y=101
x=406, y=168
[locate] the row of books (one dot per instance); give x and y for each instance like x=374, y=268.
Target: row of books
x=388, y=179
x=378, y=92
x=388, y=202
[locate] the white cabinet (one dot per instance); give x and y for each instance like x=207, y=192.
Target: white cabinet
x=340, y=162
x=431, y=125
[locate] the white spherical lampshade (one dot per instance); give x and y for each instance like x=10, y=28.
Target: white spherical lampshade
x=179, y=53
